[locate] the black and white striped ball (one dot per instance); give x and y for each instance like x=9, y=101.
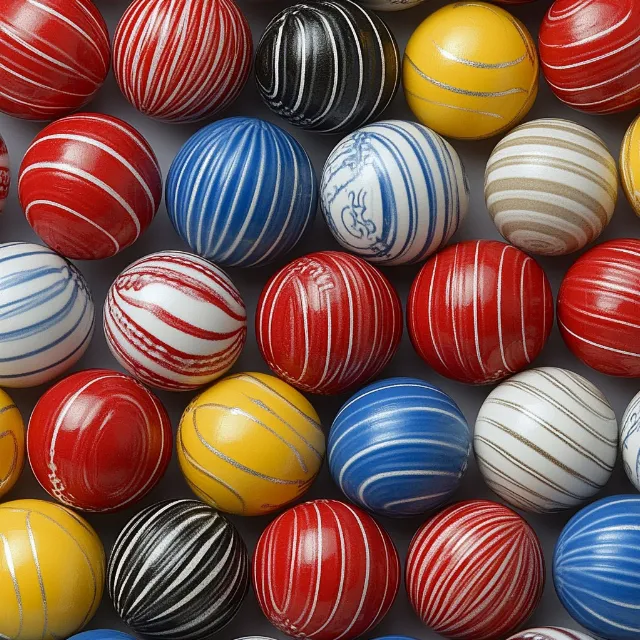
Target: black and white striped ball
x=178, y=570
x=328, y=66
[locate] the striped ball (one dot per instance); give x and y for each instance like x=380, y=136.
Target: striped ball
x=5, y=174
x=551, y=186
x=89, y=185
x=595, y=567
x=546, y=440
x=630, y=440
x=241, y=192
x=102, y=634
x=325, y=570
x=327, y=65
x=389, y=5
x=630, y=165
x=12, y=444
x=182, y=60
x=475, y=571
x=178, y=570
x=550, y=633
x=175, y=321
x=394, y=192
x=47, y=315
x=399, y=447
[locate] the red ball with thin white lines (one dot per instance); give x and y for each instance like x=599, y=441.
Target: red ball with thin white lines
x=480, y=311
x=328, y=322
x=325, y=570
x=475, y=571
x=89, y=185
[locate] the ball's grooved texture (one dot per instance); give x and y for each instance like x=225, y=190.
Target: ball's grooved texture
x=630, y=165
x=550, y=633
x=102, y=634
x=12, y=443
x=630, y=440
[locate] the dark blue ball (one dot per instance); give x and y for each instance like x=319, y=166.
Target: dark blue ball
x=102, y=634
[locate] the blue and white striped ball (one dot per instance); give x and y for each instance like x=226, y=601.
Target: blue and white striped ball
x=241, y=192
x=399, y=447
x=596, y=567
x=102, y=634
x=46, y=315
x=394, y=192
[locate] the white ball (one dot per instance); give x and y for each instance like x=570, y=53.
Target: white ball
x=630, y=441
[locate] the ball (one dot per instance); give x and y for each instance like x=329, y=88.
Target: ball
x=479, y=311
x=54, y=56
x=99, y=441
x=630, y=165
x=182, y=61
x=475, y=571
x=399, y=447
x=389, y=5
x=394, y=192
x=595, y=567
x=175, y=321
x=551, y=633
x=328, y=322
x=89, y=185
x=325, y=570
x=49, y=315
x=5, y=174
x=178, y=569
x=470, y=70
x=250, y=444
x=241, y=192
x=630, y=440
x=52, y=571
x=102, y=634
x=589, y=53
x=12, y=445
x=551, y=186
x=327, y=65
x=598, y=305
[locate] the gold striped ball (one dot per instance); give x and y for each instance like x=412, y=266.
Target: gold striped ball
x=630, y=165
x=11, y=443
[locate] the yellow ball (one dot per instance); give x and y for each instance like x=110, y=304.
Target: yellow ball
x=470, y=70
x=250, y=444
x=51, y=571
x=630, y=165
x=11, y=443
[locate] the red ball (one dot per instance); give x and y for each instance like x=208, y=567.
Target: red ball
x=325, y=570
x=89, y=184
x=590, y=53
x=479, y=311
x=475, y=571
x=328, y=321
x=99, y=441
x=54, y=56
x=182, y=60
x=5, y=173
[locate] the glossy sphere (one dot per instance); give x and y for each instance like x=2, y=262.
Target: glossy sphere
x=325, y=570
x=328, y=322
x=551, y=633
x=394, y=192
x=486, y=559
x=470, y=70
x=589, y=53
x=262, y=215
x=42, y=338
x=479, y=311
x=630, y=165
x=399, y=447
x=182, y=61
x=5, y=173
x=52, y=571
x=551, y=186
x=327, y=65
x=595, y=567
x=250, y=444
x=598, y=307
x=178, y=569
x=174, y=320
x=389, y=5
x=102, y=634
x=630, y=441
x=11, y=444
x=98, y=441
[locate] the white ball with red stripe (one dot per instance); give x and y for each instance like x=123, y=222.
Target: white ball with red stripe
x=551, y=633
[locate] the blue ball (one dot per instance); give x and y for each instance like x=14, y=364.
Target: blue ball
x=102, y=634
x=399, y=447
x=596, y=567
x=241, y=192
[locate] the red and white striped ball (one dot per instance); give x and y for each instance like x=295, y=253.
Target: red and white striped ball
x=182, y=60
x=325, y=570
x=599, y=308
x=54, y=56
x=89, y=185
x=328, y=321
x=590, y=53
x=480, y=311
x=551, y=633
x=475, y=571
x=175, y=321
x=5, y=173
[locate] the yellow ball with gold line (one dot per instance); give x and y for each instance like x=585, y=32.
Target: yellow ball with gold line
x=630, y=165
x=51, y=571
x=11, y=443
x=250, y=444
x=470, y=71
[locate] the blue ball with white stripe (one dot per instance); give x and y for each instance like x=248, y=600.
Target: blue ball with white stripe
x=399, y=447
x=241, y=192
x=596, y=567
x=394, y=192
x=102, y=634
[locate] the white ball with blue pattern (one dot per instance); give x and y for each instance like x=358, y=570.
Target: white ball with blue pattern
x=630, y=441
